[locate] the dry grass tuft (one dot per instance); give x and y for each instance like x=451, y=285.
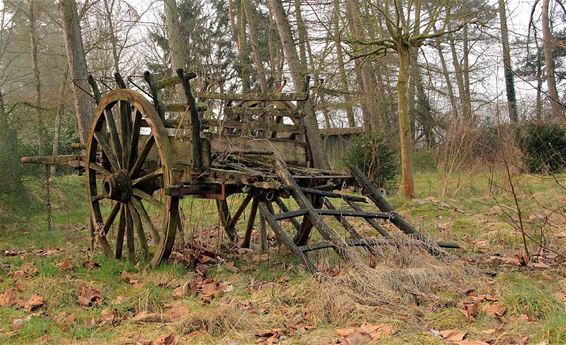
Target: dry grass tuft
x=405, y=276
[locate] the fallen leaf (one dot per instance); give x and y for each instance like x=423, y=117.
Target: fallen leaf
x=344, y=332
x=90, y=264
x=65, y=265
x=89, y=297
x=538, y=264
x=35, y=302
x=9, y=298
x=453, y=335
x=300, y=326
x=177, y=312
x=470, y=308
x=108, y=317
x=472, y=342
x=494, y=309
x=145, y=316
x=130, y=279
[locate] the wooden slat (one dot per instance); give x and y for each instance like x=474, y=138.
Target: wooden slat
x=290, y=151
x=275, y=127
x=284, y=112
x=299, y=96
x=182, y=107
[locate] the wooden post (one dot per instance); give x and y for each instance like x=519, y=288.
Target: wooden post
x=195, y=120
x=284, y=238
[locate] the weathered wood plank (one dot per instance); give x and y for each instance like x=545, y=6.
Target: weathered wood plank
x=278, y=112
x=290, y=151
x=275, y=127
x=299, y=96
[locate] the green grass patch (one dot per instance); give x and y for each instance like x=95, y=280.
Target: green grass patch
x=523, y=295
x=553, y=329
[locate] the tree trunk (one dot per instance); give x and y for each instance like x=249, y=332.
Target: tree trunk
x=58, y=116
x=298, y=75
x=36, y=78
x=175, y=38
x=539, y=84
x=371, y=121
x=10, y=171
x=77, y=66
x=405, y=139
x=108, y=8
x=446, y=74
x=549, y=61
x=341, y=67
x=466, y=108
x=258, y=61
x=508, y=69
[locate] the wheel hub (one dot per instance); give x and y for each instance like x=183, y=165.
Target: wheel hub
x=118, y=186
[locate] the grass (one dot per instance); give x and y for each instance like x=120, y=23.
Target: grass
x=522, y=295
x=272, y=291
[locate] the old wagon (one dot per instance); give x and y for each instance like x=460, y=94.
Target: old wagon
x=143, y=155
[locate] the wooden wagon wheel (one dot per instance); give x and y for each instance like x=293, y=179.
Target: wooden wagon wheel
x=130, y=168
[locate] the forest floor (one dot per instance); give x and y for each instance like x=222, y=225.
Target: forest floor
x=52, y=290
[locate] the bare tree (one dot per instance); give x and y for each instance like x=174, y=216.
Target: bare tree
x=509, y=78
x=298, y=74
x=77, y=66
x=548, y=47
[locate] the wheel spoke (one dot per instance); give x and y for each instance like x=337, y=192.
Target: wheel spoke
x=114, y=138
x=130, y=237
x=125, y=126
x=135, y=139
x=146, y=219
x=147, y=177
x=99, y=169
x=106, y=150
x=142, y=241
x=98, y=197
x=142, y=156
x=111, y=218
x=120, y=234
x=143, y=195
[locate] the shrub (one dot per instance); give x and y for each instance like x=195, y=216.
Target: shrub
x=376, y=157
x=543, y=146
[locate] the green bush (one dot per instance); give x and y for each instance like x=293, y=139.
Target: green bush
x=543, y=146
x=376, y=157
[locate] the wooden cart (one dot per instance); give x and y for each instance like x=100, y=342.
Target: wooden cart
x=143, y=155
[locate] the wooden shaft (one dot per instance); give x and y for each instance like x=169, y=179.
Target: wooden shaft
x=325, y=231
x=240, y=210
x=281, y=204
x=284, y=238
x=342, y=219
x=375, y=196
x=371, y=221
x=250, y=225
x=226, y=219
x=333, y=195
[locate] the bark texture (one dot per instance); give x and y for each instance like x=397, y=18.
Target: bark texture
x=77, y=66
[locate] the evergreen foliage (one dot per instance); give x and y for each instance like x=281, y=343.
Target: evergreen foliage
x=376, y=157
